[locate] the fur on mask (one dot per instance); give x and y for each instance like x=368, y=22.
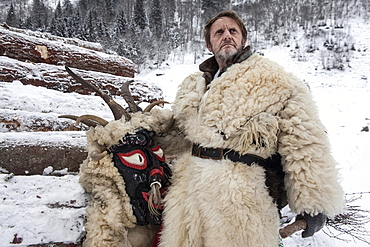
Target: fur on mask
x=110, y=219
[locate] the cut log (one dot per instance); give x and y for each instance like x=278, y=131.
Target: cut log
x=24, y=47
x=31, y=153
x=68, y=41
x=56, y=77
x=18, y=121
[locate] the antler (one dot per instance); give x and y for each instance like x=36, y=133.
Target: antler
x=97, y=119
x=126, y=94
x=96, y=153
x=118, y=110
x=158, y=102
x=88, y=122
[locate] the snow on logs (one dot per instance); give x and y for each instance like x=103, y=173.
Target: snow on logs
x=45, y=48
x=57, y=78
x=39, y=59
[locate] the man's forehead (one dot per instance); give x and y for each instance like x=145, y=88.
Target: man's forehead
x=224, y=22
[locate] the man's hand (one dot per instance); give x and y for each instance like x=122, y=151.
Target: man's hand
x=314, y=223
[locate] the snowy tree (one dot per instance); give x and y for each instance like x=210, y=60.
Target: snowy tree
x=120, y=24
x=11, y=18
x=39, y=16
x=69, y=23
x=88, y=29
x=212, y=7
x=56, y=25
x=155, y=19
x=139, y=14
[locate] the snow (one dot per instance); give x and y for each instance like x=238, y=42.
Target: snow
x=47, y=139
x=37, y=37
x=53, y=3
x=41, y=209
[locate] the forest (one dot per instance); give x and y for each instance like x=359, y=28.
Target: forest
x=147, y=31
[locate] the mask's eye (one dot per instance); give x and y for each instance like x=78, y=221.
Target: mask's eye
x=158, y=153
x=135, y=159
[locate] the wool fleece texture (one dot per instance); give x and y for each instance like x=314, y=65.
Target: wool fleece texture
x=254, y=107
x=110, y=218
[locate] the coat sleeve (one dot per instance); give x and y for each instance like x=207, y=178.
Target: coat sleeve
x=312, y=178
x=169, y=135
x=185, y=109
x=173, y=142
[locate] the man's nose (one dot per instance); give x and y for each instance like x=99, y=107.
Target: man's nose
x=227, y=35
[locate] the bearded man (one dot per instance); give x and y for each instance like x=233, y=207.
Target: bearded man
x=235, y=114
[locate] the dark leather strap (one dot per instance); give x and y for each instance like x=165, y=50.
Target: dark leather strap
x=219, y=153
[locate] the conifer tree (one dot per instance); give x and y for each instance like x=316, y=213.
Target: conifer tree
x=155, y=19
x=88, y=27
x=67, y=19
x=139, y=14
x=120, y=24
x=56, y=26
x=38, y=18
x=11, y=18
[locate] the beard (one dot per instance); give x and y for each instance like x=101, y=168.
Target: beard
x=227, y=55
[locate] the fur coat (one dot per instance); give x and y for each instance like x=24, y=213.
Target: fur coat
x=254, y=107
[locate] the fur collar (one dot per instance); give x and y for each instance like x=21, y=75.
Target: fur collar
x=209, y=67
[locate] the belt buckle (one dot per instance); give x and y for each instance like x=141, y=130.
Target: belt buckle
x=211, y=153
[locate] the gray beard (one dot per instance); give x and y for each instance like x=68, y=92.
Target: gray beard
x=226, y=56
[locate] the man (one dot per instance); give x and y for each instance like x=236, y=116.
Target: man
x=233, y=115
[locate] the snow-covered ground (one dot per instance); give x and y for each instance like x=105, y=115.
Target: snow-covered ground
x=41, y=209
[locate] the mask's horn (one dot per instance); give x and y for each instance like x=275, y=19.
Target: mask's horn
x=118, y=110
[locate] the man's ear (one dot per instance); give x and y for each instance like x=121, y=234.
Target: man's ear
x=209, y=47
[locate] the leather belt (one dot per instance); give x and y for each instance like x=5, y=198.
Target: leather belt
x=219, y=153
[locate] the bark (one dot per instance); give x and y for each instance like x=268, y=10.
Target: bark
x=57, y=78
x=32, y=159
x=25, y=47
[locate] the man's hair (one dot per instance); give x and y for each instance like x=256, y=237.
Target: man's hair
x=231, y=14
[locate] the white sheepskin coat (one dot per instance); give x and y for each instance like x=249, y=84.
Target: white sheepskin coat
x=110, y=219
x=254, y=107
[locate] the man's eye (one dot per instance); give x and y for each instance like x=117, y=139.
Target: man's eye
x=232, y=30
x=219, y=31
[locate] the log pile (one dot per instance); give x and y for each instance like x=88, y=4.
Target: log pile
x=39, y=59
x=57, y=78
x=23, y=47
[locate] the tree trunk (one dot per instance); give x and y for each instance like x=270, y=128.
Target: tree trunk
x=56, y=77
x=26, y=47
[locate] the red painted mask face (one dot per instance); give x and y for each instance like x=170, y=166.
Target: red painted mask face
x=141, y=163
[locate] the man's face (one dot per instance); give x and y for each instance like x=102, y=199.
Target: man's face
x=226, y=38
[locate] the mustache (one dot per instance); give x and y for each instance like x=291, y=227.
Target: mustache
x=228, y=42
